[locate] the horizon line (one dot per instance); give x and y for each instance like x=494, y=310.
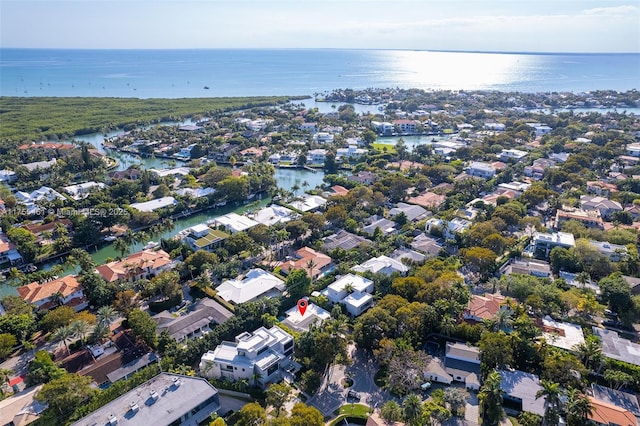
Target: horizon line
x=505, y=52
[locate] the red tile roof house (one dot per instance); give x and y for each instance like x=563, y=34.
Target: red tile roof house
x=606, y=414
x=321, y=262
x=144, y=264
x=485, y=307
x=44, y=295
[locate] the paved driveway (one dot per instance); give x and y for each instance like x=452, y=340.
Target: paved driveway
x=332, y=394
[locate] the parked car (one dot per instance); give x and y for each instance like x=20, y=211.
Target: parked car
x=425, y=386
x=610, y=313
x=353, y=394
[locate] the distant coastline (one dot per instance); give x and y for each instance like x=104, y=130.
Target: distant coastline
x=183, y=73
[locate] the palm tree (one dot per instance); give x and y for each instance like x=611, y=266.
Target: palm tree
x=391, y=412
x=589, y=352
x=412, y=409
x=578, y=408
x=447, y=325
x=63, y=334
x=121, y=245
x=80, y=329
x=503, y=319
x=311, y=263
x=551, y=392
x=490, y=398
x=106, y=315
x=583, y=278
x=57, y=298
x=255, y=377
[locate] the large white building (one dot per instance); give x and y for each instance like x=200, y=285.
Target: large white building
x=352, y=291
x=256, y=283
x=262, y=357
x=382, y=265
x=233, y=222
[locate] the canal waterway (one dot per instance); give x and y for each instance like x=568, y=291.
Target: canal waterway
x=285, y=178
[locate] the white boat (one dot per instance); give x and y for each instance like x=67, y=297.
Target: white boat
x=151, y=245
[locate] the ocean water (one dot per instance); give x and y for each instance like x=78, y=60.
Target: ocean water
x=246, y=72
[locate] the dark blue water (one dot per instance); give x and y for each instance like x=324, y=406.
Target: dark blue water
x=185, y=73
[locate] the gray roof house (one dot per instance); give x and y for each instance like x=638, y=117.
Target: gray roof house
x=344, y=240
x=520, y=388
x=413, y=212
x=195, y=322
x=165, y=399
x=616, y=347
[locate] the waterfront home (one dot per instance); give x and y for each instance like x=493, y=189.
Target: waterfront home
x=143, y=264
x=365, y=178
x=202, y=237
x=255, y=284
x=273, y=214
x=316, y=156
x=382, y=127
x=308, y=203
x=165, y=399
x=233, y=222
x=351, y=152
x=406, y=126
x=65, y=291
x=159, y=203
x=352, y=291
x=262, y=357
x=82, y=190
x=8, y=251
x=195, y=192
x=194, y=323
x=176, y=172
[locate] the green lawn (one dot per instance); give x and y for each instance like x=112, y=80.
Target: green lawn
x=383, y=147
x=359, y=411
x=355, y=410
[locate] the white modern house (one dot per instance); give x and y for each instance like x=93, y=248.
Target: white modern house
x=308, y=203
x=202, y=237
x=316, y=156
x=543, y=243
x=158, y=203
x=82, y=190
x=256, y=283
x=353, y=291
x=273, y=214
x=233, y=222
x=512, y=154
x=382, y=265
x=480, y=169
x=262, y=357
x=350, y=152
x=314, y=314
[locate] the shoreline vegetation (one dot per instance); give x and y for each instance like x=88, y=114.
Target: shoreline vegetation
x=48, y=117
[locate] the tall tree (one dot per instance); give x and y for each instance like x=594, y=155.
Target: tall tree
x=412, y=409
x=552, y=393
x=578, y=408
x=66, y=393
x=277, y=395
x=143, y=327
x=490, y=398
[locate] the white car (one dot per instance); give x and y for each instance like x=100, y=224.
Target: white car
x=425, y=386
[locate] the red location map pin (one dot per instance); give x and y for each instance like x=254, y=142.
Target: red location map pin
x=302, y=306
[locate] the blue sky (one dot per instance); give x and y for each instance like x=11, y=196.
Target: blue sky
x=496, y=25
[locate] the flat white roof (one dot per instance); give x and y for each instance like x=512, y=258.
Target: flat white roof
x=149, y=206
x=357, y=299
x=309, y=202
x=173, y=401
x=256, y=283
x=565, y=336
x=379, y=263
x=235, y=222
x=356, y=281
